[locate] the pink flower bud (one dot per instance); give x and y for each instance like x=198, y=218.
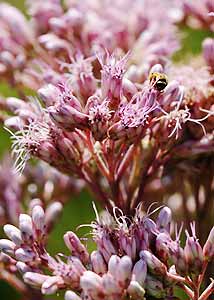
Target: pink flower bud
x=26, y=227
x=69, y=295
x=208, y=51
x=113, y=264
x=178, y=258
x=163, y=246
x=135, y=290
x=91, y=283
x=6, y=259
x=133, y=73
x=193, y=252
x=76, y=247
x=164, y=219
x=7, y=246
x=49, y=94
x=128, y=244
x=51, y=284
x=14, y=123
x=15, y=104
x=34, y=202
x=13, y=233
x=23, y=267
x=110, y=285
x=25, y=255
x=38, y=218
x=7, y=59
x=35, y=279
x=77, y=265
x=98, y=263
x=17, y=24
x=128, y=88
x=58, y=26
x=52, y=213
x=53, y=43
x=208, y=249
x=154, y=265
x=139, y=271
x=74, y=18
x=123, y=272
x=157, y=68
x=68, y=117
x=107, y=248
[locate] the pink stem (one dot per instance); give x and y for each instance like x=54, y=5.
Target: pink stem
x=209, y=290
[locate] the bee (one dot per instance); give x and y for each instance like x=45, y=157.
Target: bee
x=158, y=80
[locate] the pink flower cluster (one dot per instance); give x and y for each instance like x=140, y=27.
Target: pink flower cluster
x=135, y=257
x=111, y=111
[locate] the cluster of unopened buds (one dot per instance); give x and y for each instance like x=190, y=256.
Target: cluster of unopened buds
x=135, y=258
x=39, y=184
x=111, y=112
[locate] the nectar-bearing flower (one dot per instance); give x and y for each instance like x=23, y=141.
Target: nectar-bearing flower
x=117, y=115
x=118, y=275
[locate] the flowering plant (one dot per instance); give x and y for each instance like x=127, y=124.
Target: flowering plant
x=109, y=111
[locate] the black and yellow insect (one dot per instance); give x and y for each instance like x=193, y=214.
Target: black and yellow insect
x=158, y=80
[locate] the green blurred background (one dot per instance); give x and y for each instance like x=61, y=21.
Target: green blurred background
x=79, y=210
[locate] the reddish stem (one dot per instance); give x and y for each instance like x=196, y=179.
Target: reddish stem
x=209, y=290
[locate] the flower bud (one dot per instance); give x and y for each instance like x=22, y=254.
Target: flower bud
x=154, y=265
x=178, y=258
x=7, y=246
x=22, y=267
x=150, y=225
x=110, y=285
x=34, y=202
x=7, y=59
x=13, y=233
x=157, y=68
x=128, y=244
x=15, y=104
x=68, y=117
x=129, y=88
x=25, y=255
x=52, y=213
x=139, y=271
x=53, y=43
x=208, y=249
x=91, y=283
x=107, y=248
x=6, y=259
x=123, y=272
x=74, y=18
x=26, y=227
x=14, y=123
x=113, y=264
x=50, y=285
x=194, y=255
x=58, y=26
x=76, y=247
x=38, y=218
x=136, y=291
x=69, y=295
x=35, y=279
x=164, y=219
x=77, y=264
x=49, y=94
x=208, y=51
x=17, y=24
x=98, y=263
